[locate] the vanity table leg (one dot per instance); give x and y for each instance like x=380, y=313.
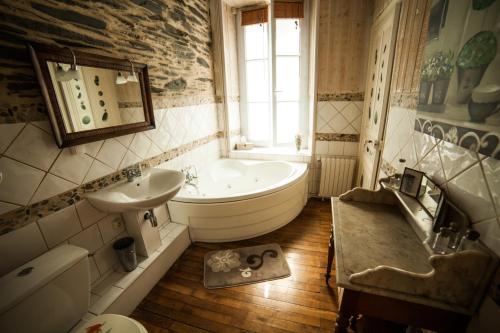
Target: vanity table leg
x=347, y=309
x=331, y=252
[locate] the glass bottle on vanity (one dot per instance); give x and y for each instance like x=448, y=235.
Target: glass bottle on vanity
x=468, y=240
x=440, y=245
x=395, y=180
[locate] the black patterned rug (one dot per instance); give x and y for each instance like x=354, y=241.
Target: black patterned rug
x=245, y=265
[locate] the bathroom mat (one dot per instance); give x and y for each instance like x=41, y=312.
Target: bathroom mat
x=245, y=265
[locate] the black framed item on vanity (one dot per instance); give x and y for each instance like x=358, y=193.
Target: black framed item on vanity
x=411, y=181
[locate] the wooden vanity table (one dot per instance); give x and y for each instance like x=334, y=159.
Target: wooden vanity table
x=385, y=270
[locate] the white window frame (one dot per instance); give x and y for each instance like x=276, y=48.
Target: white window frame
x=303, y=70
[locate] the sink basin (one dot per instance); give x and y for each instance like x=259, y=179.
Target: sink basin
x=154, y=188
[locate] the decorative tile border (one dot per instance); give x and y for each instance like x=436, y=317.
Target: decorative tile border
x=354, y=97
x=405, y=100
x=25, y=215
x=126, y=105
x=337, y=137
x=486, y=143
x=230, y=99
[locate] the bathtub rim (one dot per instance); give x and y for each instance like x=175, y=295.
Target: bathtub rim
x=300, y=171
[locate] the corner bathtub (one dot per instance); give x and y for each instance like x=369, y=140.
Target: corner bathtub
x=240, y=199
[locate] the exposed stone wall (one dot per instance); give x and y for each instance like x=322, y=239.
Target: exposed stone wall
x=172, y=36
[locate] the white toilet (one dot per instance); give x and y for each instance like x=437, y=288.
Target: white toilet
x=51, y=294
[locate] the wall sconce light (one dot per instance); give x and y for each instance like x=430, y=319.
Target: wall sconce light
x=120, y=78
x=132, y=77
x=70, y=74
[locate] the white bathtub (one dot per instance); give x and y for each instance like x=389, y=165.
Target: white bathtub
x=240, y=199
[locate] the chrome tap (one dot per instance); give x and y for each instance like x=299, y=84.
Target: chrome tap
x=191, y=175
x=133, y=173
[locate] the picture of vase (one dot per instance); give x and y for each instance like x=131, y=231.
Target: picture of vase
x=472, y=61
x=425, y=90
x=484, y=102
x=439, y=91
x=468, y=79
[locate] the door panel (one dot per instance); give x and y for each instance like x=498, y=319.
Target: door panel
x=381, y=57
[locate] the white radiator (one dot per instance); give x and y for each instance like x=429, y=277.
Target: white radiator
x=337, y=175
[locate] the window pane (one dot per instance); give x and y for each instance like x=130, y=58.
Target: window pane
x=287, y=79
x=256, y=41
x=287, y=37
x=258, y=121
x=287, y=118
x=257, y=81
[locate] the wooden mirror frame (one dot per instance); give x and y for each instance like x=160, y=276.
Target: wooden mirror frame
x=41, y=54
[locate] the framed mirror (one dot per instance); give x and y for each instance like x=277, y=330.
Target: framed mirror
x=92, y=97
x=430, y=196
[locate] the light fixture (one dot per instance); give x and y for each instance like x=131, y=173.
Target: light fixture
x=120, y=78
x=70, y=74
x=132, y=77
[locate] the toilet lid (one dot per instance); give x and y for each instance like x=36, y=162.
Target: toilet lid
x=112, y=323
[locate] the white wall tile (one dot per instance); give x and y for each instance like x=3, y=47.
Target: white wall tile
x=34, y=147
x=423, y=143
x=105, y=258
x=71, y=166
x=92, y=148
x=7, y=133
x=490, y=234
x=111, y=153
x=20, y=246
x=351, y=148
x=491, y=169
x=129, y=159
x=111, y=226
x=455, y=158
x=44, y=125
x=125, y=140
x=6, y=207
x=469, y=192
x=88, y=215
x=60, y=226
x=51, y=186
x=336, y=148
x=97, y=170
x=94, y=272
x=431, y=165
x=89, y=239
x=140, y=145
x=321, y=147
x=20, y=181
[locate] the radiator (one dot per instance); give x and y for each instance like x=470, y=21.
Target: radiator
x=337, y=175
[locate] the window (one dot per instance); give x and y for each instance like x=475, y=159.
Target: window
x=273, y=82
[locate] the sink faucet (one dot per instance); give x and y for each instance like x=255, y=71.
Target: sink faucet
x=191, y=175
x=133, y=173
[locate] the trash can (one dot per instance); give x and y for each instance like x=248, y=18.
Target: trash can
x=125, y=248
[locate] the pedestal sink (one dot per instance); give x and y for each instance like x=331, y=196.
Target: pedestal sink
x=136, y=201
x=154, y=188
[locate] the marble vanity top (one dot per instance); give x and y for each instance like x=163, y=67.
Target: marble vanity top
x=379, y=250
x=373, y=235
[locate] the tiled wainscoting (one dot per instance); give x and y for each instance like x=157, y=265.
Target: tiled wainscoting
x=35, y=169
x=338, y=125
x=471, y=180
x=29, y=154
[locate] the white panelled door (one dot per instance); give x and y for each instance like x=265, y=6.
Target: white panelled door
x=381, y=55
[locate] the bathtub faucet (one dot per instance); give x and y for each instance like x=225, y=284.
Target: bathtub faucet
x=191, y=175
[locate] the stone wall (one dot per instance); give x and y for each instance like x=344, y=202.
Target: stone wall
x=172, y=37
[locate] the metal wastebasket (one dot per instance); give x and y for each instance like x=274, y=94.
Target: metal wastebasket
x=125, y=248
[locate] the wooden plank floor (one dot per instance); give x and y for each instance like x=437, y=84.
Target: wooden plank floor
x=301, y=303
